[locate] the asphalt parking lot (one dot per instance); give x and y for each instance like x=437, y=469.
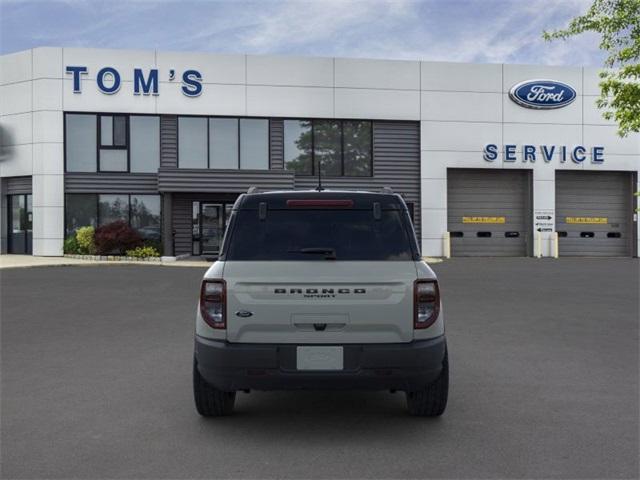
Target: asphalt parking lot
x=96, y=383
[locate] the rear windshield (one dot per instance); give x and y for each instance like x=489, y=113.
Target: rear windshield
x=320, y=235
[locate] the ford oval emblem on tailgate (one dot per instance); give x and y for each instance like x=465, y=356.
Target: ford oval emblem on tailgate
x=244, y=313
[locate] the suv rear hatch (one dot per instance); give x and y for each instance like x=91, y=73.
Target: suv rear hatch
x=323, y=268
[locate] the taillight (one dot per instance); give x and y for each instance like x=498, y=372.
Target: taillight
x=426, y=303
x=213, y=295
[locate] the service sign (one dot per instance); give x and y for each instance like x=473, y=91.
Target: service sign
x=542, y=94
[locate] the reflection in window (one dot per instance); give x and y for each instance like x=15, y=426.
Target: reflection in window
x=113, y=143
x=192, y=142
x=145, y=143
x=145, y=216
x=223, y=143
x=254, y=144
x=81, y=210
x=80, y=142
x=357, y=148
x=297, y=146
x=112, y=208
x=327, y=147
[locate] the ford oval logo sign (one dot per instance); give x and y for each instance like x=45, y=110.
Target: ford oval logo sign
x=542, y=94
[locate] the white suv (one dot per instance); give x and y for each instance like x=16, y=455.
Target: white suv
x=320, y=290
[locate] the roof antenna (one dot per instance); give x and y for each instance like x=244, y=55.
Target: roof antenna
x=319, y=176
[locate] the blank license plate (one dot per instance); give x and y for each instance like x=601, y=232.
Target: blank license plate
x=319, y=358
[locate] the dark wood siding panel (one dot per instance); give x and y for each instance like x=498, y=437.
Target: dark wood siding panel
x=168, y=141
x=110, y=183
x=232, y=181
x=181, y=210
x=276, y=144
x=18, y=185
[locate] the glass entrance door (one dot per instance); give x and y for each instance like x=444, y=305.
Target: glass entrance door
x=212, y=228
x=20, y=221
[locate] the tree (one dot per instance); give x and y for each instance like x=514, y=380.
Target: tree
x=618, y=23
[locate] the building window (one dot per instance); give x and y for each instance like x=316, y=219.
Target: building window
x=254, y=144
x=80, y=142
x=112, y=208
x=192, y=142
x=112, y=143
x=81, y=211
x=357, y=151
x=114, y=156
x=144, y=132
x=141, y=212
x=145, y=216
x=327, y=147
x=341, y=147
x=297, y=146
x=223, y=143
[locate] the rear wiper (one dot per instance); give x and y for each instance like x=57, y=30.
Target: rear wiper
x=330, y=253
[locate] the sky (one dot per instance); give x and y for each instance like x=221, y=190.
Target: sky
x=484, y=31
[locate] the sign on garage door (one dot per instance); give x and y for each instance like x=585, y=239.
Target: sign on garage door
x=594, y=213
x=488, y=212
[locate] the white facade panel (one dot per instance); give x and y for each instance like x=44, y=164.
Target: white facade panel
x=591, y=81
x=16, y=129
x=433, y=193
x=48, y=191
x=289, y=101
x=214, y=68
x=514, y=113
x=608, y=137
x=377, y=104
x=47, y=94
x=124, y=61
x=461, y=106
x=47, y=62
x=377, y=74
x=289, y=71
x=48, y=222
x=47, y=247
x=16, y=161
x=15, y=67
x=48, y=158
x=461, y=77
x=459, y=136
x=93, y=100
x=15, y=98
x=592, y=114
x=48, y=127
x=542, y=134
x=214, y=100
x=514, y=74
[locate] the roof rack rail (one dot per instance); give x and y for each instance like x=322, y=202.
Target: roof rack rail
x=386, y=190
x=253, y=190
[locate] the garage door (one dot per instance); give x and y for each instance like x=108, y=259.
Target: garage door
x=594, y=213
x=488, y=212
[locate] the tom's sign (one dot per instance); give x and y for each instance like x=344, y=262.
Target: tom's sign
x=542, y=94
x=108, y=80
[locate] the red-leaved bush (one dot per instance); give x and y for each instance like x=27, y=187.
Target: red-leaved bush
x=116, y=238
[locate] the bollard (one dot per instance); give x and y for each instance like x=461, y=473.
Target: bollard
x=447, y=245
x=555, y=247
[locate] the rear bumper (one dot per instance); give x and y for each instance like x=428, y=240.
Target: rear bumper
x=395, y=366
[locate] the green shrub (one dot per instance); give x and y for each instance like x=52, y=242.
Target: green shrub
x=84, y=237
x=143, y=252
x=71, y=245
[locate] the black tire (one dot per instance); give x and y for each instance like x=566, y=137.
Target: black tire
x=432, y=401
x=211, y=402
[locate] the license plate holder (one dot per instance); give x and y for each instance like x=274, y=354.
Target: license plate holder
x=319, y=358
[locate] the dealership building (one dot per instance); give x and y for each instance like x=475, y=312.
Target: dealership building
x=491, y=159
